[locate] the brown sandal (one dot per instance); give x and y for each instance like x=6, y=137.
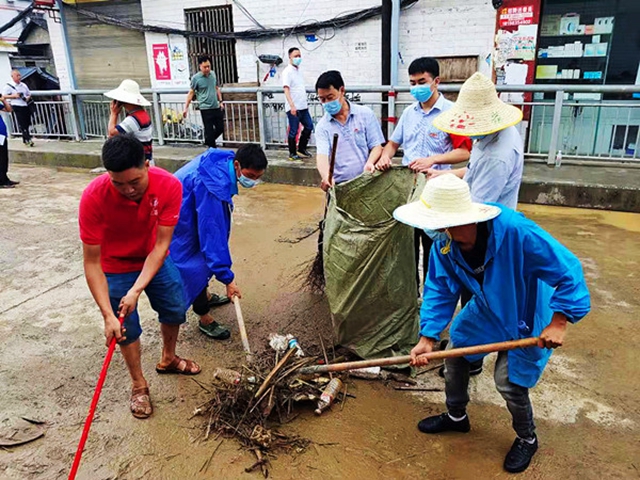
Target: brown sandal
x=174, y=367
x=140, y=403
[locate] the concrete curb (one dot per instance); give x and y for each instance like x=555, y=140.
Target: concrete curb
x=590, y=187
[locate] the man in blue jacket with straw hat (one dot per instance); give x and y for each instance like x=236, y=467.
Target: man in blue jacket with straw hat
x=524, y=284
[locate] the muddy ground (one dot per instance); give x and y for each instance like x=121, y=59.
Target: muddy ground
x=586, y=405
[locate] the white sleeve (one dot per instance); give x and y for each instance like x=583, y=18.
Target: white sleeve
x=286, y=78
x=128, y=125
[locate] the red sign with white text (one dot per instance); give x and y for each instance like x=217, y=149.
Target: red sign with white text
x=514, y=16
x=161, y=61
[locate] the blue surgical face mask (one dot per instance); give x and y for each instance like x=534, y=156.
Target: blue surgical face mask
x=297, y=61
x=333, y=107
x=477, y=137
x=422, y=93
x=247, y=182
x=437, y=236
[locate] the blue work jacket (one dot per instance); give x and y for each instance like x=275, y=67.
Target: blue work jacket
x=528, y=276
x=200, y=244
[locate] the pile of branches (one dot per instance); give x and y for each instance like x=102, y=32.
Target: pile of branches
x=267, y=396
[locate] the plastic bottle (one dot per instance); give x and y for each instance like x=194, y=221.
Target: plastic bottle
x=228, y=376
x=293, y=343
x=329, y=395
x=558, y=159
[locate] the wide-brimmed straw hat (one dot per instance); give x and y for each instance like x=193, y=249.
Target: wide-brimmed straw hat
x=128, y=92
x=445, y=202
x=478, y=110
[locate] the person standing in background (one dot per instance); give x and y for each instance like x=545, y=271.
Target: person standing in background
x=137, y=121
x=19, y=95
x=296, y=107
x=4, y=147
x=204, y=85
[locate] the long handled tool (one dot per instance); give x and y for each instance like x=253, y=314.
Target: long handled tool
x=454, y=352
x=243, y=330
x=94, y=403
x=315, y=278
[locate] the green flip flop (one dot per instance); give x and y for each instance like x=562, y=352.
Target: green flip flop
x=218, y=300
x=215, y=331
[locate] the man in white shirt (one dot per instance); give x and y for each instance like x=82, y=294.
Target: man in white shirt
x=296, y=107
x=18, y=94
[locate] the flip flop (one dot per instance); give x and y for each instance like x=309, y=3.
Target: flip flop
x=218, y=300
x=174, y=367
x=215, y=330
x=140, y=400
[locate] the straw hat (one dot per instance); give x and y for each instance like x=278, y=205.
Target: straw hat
x=478, y=110
x=445, y=202
x=128, y=92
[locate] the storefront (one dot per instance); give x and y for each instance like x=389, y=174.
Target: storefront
x=575, y=42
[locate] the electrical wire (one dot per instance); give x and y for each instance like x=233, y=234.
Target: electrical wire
x=248, y=14
x=24, y=13
x=339, y=22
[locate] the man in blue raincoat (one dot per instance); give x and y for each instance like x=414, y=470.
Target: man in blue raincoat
x=524, y=283
x=200, y=245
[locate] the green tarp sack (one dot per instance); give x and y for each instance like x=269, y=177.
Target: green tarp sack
x=369, y=264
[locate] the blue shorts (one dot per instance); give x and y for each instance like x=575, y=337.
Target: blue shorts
x=164, y=292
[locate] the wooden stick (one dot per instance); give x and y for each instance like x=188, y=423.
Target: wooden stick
x=454, y=352
x=324, y=353
x=332, y=158
x=243, y=330
x=273, y=372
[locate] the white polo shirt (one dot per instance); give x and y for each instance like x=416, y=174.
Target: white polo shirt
x=292, y=78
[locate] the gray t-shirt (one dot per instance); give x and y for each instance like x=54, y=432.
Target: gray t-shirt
x=494, y=173
x=205, y=88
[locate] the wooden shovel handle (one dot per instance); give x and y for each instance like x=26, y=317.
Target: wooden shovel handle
x=241, y=327
x=454, y=352
x=332, y=158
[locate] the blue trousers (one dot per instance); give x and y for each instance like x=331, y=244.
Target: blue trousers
x=165, y=295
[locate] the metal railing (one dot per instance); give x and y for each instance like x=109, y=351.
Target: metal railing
x=577, y=120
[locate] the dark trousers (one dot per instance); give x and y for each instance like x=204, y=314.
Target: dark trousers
x=213, y=121
x=201, y=303
x=4, y=162
x=302, y=117
x=23, y=114
x=425, y=240
x=456, y=377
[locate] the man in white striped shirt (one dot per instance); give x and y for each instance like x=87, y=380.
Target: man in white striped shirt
x=137, y=122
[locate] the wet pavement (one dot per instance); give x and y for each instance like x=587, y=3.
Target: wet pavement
x=586, y=404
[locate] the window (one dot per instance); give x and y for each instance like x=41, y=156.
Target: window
x=222, y=52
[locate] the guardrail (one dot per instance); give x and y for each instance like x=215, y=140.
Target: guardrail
x=581, y=121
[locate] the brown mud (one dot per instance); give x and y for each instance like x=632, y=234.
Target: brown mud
x=52, y=348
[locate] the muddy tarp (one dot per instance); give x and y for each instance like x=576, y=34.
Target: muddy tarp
x=369, y=264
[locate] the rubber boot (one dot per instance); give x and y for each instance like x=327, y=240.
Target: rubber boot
x=292, y=146
x=304, y=141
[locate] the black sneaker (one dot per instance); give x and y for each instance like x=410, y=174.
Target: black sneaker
x=217, y=300
x=304, y=154
x=520, y=455
x=444, y=423
x=294, y=158
x=7, y=185
x=11, y=182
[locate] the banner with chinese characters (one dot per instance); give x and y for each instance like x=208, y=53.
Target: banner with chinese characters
x=514, y=16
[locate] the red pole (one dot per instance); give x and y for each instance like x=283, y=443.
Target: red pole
x=92, y=408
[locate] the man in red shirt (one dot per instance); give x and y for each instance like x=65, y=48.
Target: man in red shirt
x=127, y=217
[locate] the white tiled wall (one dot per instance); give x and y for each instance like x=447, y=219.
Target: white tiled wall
x=430, y=27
